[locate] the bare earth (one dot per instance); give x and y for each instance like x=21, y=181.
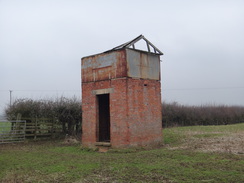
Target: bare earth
x=227, y=143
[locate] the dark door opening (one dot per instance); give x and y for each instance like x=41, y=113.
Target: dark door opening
x=103, y=118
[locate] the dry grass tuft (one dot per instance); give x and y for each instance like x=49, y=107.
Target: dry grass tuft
x=214, y=141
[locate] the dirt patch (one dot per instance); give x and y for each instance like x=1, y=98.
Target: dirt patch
x=227, y=143
x=70, y=140
x=106, y=177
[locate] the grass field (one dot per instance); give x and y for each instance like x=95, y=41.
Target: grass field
x=190, y=154
x=5, y=126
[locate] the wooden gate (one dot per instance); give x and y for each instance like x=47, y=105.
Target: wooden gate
x=42, y=127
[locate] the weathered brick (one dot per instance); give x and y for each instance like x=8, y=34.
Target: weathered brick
x=135, y=104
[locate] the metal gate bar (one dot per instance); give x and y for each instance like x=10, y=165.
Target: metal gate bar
x=12, y=131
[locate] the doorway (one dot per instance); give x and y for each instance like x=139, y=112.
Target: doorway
x=103, y=126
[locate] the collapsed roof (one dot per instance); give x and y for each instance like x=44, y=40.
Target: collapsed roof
x=131, y=44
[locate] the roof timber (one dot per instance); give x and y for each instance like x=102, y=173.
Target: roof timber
x=137, y=39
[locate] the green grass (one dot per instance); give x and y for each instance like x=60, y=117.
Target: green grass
x=54, y=162
x=220, y=128
x=173, y=136
x=5, y=126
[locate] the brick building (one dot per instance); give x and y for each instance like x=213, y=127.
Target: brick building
x=121, y=97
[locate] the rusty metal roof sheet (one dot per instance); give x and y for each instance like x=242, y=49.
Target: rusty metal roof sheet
x=131, y=44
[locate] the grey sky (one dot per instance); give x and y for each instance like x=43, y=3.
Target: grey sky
x=42, y=42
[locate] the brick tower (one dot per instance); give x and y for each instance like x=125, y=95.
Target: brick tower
x=121, y=97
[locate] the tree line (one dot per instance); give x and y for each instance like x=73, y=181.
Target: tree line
x=175, y=114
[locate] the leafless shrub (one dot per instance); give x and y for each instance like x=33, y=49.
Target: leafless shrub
x=175, y=114
x=67, y=111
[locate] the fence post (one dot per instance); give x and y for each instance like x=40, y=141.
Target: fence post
x=24, y=128
x=35, y=128
x=52, y=129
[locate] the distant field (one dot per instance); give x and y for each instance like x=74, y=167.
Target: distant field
x=190, y=154
x=5, y=126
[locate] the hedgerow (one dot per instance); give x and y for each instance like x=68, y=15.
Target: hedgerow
x=183, y=115
x=66, y=111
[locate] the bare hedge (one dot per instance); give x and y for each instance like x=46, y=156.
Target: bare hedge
x=175, y=114
x=67, y=111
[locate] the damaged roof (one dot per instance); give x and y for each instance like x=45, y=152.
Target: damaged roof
x=131, y=44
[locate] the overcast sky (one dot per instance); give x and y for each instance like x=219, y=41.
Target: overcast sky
x=42, y=42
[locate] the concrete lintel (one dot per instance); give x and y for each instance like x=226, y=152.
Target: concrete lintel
x=102, y=91
x=105, y=144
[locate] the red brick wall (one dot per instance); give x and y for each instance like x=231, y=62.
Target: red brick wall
x=144, y=114
x=135, y=112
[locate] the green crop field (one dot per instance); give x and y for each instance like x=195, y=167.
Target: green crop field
x=190, y=154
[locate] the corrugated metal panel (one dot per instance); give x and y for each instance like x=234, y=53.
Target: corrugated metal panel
x=154, y=67
x=104, y=66
x=133, y=63
x=143, y=65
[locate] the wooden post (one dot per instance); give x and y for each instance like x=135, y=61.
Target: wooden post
x=35, y=128
x=52, y=129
